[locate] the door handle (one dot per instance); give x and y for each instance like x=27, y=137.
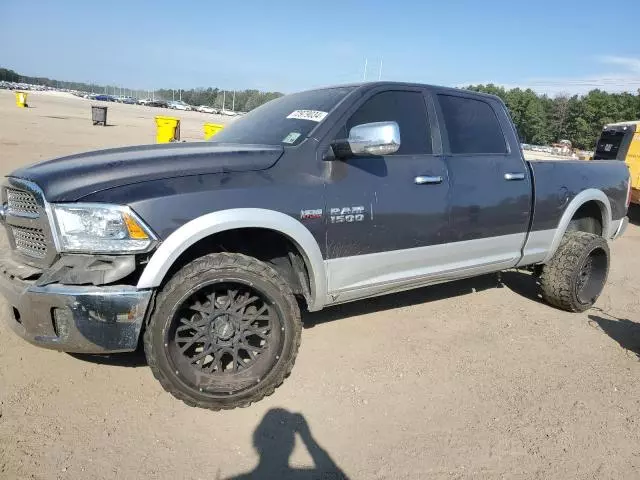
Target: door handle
x=514, y=176
x=427, y=180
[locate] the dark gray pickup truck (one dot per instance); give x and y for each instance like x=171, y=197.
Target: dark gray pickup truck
x=209, y=250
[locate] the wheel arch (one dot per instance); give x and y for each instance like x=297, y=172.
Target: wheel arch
x=211, y=224
x=584, y=198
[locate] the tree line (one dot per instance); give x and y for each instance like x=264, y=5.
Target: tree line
x=244, y=101
x=240, y=100
x=542, y=120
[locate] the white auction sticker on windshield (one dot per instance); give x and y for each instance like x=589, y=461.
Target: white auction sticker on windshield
x=313, y=115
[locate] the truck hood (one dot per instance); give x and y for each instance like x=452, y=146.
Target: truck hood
x=68, y=179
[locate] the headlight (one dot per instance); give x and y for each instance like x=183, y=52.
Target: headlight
x=100, y=228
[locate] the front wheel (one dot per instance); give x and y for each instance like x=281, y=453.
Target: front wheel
x=225, y=332
x=576, y=274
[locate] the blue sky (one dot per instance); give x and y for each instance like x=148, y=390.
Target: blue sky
x=551, y=46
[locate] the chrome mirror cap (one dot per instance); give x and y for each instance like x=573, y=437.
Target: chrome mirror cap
x=378, y=138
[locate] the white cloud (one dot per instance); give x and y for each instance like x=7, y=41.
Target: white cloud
x=626, y=79
x=630, y=64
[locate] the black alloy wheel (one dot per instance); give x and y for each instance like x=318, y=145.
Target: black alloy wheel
x=224, y=337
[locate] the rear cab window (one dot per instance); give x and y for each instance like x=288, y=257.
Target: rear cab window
x=472, y=126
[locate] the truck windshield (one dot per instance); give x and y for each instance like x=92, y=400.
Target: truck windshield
x=284, y=121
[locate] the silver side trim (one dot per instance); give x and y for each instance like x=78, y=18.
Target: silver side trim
x=373, y=274
x=579, y=200
x=216, y=222
x=537, y=247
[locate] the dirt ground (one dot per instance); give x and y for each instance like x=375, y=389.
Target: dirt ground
x=465, y=380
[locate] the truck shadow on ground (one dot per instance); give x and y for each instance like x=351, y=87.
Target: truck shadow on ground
x=634, y=214
x=521, y=283
x=274, y=440
x=127, y=359
x=622, y=330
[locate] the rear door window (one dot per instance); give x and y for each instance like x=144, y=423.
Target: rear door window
x=472, y=126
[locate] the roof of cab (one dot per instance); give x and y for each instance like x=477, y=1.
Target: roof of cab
x=368, y=85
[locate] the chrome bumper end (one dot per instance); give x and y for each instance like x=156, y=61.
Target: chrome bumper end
x=80, y=319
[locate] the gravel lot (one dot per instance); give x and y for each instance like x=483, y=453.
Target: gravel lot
x=465, y=380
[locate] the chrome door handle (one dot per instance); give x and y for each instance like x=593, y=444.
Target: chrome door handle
x=427, y=180
x=514, y=176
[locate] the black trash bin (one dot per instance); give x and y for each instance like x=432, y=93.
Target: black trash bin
x=99, y=115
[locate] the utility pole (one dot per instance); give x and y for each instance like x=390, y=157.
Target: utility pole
x=173, y=95
x=233, y=105
x=223, y=99
x=180, y=90
x=380, y=71
x=364, y=76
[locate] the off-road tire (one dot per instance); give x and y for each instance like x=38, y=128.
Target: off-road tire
x=559, y=281
x=218, y=267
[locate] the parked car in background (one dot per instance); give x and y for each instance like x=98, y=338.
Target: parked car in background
x=180, y=105
x=153, y=103
x=103, y=98
x=206, y=109
x=228, y=113
x=127, y=100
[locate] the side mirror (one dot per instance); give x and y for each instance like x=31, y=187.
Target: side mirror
x=379, y=138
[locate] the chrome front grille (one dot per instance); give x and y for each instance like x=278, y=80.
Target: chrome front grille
x=27, y=223
x=22, y=204
x=30, y=241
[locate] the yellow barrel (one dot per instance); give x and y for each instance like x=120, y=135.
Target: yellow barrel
x=167, y=129
x=210, y=129
x=21, y=99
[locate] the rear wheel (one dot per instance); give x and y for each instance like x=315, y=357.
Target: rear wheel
x=575, y=276
x=225, y=332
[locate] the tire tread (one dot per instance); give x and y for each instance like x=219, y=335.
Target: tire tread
x=558, y=275
x=227, y=261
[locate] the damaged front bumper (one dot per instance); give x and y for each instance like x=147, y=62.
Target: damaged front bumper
x=81, y=319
